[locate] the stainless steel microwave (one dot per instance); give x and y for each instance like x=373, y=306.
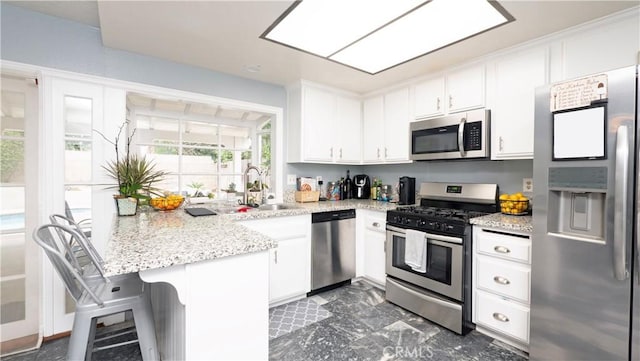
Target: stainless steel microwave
x=458, y=136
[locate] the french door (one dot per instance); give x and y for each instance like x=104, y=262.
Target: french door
x=19, y=263
x=76, y=113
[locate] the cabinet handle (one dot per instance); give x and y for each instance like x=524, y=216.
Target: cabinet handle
x=501, y=280
x=501, y=249
x=438, y=103
x=340, y=153
x=500, y=144
x=385, y=153
x=450, y=101
x=500, y=317
x=378, y=153
x=375, y=224
x=276, y=256
x=331, y=152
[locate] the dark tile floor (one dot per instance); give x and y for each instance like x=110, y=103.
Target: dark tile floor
x=362, y=326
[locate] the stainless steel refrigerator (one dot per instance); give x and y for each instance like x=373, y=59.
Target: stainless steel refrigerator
x=585, y=300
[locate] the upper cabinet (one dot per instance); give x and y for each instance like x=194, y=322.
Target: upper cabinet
x=456, y=91
x=601, y=48
x=511, y=84
x=386, y=127
x=324, y=126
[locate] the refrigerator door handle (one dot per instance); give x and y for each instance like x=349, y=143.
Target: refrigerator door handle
x=620, y=206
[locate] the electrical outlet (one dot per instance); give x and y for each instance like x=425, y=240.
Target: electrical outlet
x=291, y=179
x=319, y=178
x=527, y=185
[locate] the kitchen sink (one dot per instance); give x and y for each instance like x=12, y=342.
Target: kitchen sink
x=274, y=207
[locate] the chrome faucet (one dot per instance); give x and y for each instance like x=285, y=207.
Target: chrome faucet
x=245, y=198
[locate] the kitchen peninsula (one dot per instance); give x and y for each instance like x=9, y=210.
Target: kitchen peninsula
x=209, y=276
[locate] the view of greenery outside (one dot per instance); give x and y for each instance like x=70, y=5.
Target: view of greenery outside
x=11, y=154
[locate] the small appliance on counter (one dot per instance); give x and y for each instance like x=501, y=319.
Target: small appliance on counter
x=407, y=191
x=361, y=186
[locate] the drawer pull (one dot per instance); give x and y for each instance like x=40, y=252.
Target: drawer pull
x=376, y=224
x=501, y=280
x=500, y=317
x=501, y=249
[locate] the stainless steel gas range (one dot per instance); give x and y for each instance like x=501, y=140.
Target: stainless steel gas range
x=428, y=251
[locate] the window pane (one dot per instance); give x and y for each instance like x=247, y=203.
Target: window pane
x=235, y=137
x=11, y=160
x=199, y=185
x=199, y=133
x=12, y=296
x=168, y=184
x=13, y=253
x=78, y=199
x=12, y=113
x=227, y=180
x=265, y=151
x=77, y=162
x=164, y=157
x=199, y=160
x=77, y=117
x=156, y=130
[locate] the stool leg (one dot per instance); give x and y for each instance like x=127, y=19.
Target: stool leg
x=92, y=337
x=145, y=327
x=79, y=336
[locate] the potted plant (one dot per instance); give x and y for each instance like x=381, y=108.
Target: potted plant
x=135, y=175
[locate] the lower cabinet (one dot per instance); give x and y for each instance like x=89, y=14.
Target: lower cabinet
x=290, y=262
x=502, y=285
x=373, y=237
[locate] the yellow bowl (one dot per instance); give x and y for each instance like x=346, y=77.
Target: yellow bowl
x=168, y=203
x=513, y=207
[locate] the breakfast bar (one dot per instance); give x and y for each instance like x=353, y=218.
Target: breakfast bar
x=208, y=279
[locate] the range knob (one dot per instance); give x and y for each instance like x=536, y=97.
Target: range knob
x=407, y=220
x=421, y=222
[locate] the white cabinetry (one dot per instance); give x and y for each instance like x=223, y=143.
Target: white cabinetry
x=456, y=91
x=604, y=47
x=324, y=125
x=386, y=127
x=372, y=232
x=502, y=285
x=511, y=84
x=290, y=262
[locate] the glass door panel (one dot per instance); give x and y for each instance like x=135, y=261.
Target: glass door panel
x=19, y=267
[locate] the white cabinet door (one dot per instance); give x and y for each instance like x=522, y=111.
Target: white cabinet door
x=290, y=262
x=396, y=125
x=465, y=89
x=318, y=113
x=374, y=260
x=373, y=129
x=287, y=266
x=347, y=131
x=428, y=98
x=512, y=113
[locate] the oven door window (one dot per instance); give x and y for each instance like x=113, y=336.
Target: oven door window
x=438, y=260
x=435, y=140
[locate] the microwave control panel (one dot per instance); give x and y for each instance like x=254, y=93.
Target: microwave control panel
x=473, y=136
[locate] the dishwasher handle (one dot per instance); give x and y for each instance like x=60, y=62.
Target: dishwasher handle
x=333, y=216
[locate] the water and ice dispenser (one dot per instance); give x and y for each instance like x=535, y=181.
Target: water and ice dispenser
x=578, y=196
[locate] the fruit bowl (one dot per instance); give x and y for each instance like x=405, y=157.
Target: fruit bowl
x=515, y=204
x=167, y=203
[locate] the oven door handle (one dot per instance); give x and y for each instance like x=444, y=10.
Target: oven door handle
x=437, y=237
x=463, y=152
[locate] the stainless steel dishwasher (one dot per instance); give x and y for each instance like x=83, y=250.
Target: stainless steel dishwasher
x=333, y=248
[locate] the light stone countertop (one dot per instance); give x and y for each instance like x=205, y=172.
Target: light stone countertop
x=505, y=222
x=153, y=239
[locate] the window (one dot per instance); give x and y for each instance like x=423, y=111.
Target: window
x=205, y=152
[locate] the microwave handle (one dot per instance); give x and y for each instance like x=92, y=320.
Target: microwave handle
x=463, y=152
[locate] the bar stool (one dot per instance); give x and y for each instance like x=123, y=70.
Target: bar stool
x=81, y=247
x=98, y=298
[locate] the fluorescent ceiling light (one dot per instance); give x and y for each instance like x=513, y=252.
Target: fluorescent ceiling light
x=375, y=35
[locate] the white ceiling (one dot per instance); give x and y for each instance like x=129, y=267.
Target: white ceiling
x=224, y=36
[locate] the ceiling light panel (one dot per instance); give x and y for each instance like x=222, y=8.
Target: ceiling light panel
x=323, y=27
x=432, y=26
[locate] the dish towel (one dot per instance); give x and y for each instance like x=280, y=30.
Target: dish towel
x=415, y=250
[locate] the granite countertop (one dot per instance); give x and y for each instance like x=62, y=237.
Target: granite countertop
x=505, y=222
x=153, y=239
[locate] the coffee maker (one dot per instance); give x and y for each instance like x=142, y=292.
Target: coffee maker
x=407, y=190
x=361, y=186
